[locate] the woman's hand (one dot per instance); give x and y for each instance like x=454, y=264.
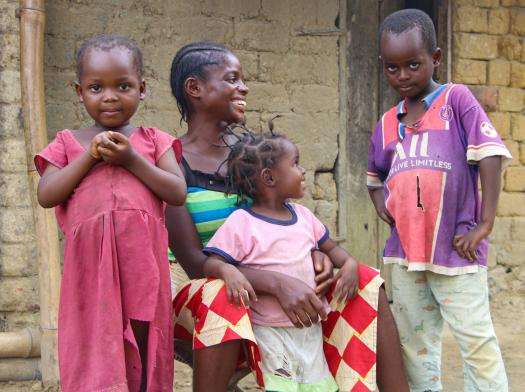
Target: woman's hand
x=116, y=149
x=299, y=302
x=347, y=280
x=324, y=272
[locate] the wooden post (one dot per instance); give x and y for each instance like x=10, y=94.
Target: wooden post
x=362, y=18
x=32, y=23
x=368, y=98
x=387, y=98
x=342, y=168
x=20, y=344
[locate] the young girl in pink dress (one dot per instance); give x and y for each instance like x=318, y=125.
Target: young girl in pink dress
x=109, y=183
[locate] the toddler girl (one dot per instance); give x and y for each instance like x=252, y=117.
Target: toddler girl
x=275, y=234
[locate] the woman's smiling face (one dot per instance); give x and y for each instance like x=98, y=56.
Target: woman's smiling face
x=224, y=92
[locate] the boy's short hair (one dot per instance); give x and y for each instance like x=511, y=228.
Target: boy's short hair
x=410, y=18
x=106, y=42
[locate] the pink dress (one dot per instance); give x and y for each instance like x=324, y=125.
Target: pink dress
x=115, y=270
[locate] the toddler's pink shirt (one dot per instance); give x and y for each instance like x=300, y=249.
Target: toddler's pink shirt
x=261, y=242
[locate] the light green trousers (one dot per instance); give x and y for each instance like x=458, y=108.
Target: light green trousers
x=421, y=301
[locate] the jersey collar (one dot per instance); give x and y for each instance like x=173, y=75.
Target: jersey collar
x=427, y=101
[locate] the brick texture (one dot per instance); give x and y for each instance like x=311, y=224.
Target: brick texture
x=470, y=71
x=498, y=72
x=476, y=46
x=498, y=47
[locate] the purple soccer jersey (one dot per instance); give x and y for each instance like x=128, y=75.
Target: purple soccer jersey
x=430, y=175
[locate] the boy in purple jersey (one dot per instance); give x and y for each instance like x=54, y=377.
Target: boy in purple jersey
x=425, y=156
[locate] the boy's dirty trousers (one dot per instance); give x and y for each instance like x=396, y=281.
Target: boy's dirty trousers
x=421, y=301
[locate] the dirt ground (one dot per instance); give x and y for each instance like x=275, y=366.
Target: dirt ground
x=510, y=328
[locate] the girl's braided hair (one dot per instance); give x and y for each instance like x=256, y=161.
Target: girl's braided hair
x=192, y=60
x=249, y=155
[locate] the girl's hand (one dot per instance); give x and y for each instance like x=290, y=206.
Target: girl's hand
x=324, y=272
x=300, y=302
x=347, y=281
x=100, y=138
x=467, y=244
x=239, y=290
x=117, y=149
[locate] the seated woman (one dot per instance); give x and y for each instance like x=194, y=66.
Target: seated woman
x=207, y=82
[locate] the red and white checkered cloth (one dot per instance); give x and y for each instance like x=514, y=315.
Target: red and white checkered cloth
x=204, y=315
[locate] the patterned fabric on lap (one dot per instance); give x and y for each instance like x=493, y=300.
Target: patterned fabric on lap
x=204, y=315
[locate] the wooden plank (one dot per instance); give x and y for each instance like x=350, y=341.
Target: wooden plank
x=361, y=51
x=387, y=98
x=342, y=167
x=442, y=22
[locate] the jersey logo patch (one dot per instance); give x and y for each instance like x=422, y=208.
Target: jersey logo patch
x=488, y=129
x=446, y=113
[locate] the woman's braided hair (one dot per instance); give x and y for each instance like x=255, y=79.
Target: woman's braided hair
x=192, y=60
x=250, y=154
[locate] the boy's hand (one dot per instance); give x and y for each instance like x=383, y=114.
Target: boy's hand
x=467, y=244
x=239, y=290
x=378, y=199
x=385, y=215
x=116, y=149
x=347, y=281
x=100, y=138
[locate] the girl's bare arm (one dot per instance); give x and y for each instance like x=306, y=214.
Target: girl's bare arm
x=56, y=185
x=347, y=278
